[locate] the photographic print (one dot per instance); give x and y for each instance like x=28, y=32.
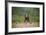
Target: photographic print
x=25, y=17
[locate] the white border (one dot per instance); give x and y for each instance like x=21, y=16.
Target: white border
x=10, y=5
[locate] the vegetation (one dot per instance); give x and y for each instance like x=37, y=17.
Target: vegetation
x=18, y=14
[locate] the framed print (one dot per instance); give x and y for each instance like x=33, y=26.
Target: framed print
x=24, y=17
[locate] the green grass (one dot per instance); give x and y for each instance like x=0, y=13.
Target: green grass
x=18, y=18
